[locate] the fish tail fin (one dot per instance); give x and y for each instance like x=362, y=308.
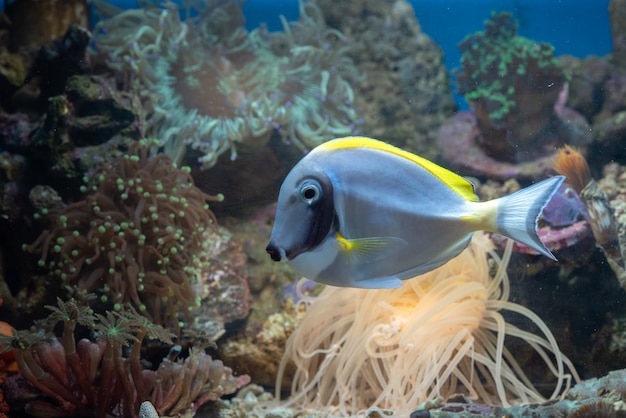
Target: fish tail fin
x=518, y=213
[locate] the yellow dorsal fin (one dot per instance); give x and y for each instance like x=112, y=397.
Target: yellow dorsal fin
x=455, y=182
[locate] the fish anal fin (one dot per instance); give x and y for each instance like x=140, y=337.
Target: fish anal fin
x=386, y=282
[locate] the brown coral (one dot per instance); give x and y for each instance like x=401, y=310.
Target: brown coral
x=137, y=237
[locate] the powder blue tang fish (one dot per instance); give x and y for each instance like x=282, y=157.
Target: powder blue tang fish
x=358, y=212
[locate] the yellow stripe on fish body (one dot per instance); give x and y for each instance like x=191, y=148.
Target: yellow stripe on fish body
x=458, y=184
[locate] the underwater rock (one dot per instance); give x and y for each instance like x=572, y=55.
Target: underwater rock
x=598, y=90
x=12, y=65
x=47, y=71
x=250, y=180
x=617, y=14
x=222, y=286
x=586, y=77
x=97, y=111
x=405, y=93
x=612, y=130
x=259, y=355
x=12, y=189
x=76, y=129
x=598, y=398
x=459, y=139
x=610, y=123
x=36, y=22
x=614, y=96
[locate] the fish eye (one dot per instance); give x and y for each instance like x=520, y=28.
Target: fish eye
x=310, y=192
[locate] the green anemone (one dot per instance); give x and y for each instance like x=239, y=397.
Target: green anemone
x=207, y=84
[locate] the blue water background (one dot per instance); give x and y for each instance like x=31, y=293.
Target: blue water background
x=575, y=27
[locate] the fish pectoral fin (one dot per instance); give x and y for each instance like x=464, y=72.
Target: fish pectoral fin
x=371, y=248
x=387, y=282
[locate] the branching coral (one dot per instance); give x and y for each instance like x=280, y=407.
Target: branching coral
x=137, y=237
x=439, y=334
x=98, y=379
x=207, y=84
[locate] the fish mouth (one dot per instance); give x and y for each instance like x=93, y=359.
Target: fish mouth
x=275, y=252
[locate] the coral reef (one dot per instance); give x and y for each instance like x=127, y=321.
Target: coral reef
x=56, y=125
x=517, y=91
x=141, y=238
x=137, y=237
x=296, y=83
x=405, y=93
x=97, y=379
x=438, y=334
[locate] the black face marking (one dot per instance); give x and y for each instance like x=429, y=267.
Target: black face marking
x=318, y=194
x=305, y=217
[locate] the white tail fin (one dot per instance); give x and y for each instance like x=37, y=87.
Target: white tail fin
x=518, y=213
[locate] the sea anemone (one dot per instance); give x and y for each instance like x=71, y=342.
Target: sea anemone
x=207, y=84
x=438, y=334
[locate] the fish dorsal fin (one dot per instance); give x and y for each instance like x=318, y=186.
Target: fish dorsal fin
x=458, y=184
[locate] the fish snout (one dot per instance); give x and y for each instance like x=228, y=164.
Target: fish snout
x=275, y=252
